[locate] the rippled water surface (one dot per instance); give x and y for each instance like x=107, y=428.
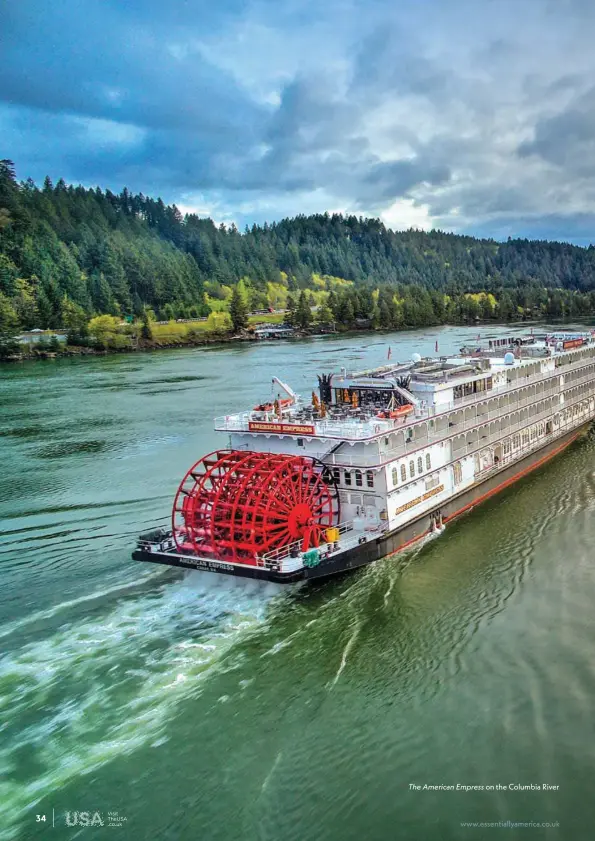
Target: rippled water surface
x=198, y=707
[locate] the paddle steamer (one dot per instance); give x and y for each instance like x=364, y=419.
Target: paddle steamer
x=375, y=460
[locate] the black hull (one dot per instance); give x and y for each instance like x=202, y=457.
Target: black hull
x=390, y=543
x=188, y=562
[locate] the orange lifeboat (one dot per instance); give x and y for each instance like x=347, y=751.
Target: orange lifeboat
x=269, y=407
x=400, y=412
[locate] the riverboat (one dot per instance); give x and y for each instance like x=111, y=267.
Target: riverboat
x=375, y=460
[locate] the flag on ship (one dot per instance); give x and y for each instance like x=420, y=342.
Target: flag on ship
x=390, y=353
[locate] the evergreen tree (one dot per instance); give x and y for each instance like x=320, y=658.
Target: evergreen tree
x=324, y=314
x=74, y=320
x=348, y=313
x=303, y=315
x=146, y=331
x=291, y=314
x=8, y=326
x=385, y=316
x=238, y=311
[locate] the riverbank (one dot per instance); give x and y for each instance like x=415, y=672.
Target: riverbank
x=134, y=343
x=142, y=345
x=193, y=338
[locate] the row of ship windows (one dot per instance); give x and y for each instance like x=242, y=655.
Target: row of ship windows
x=354, y=477
x=412, y=473
x=544, y=428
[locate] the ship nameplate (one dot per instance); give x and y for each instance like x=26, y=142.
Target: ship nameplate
x=281, y=428
x=419, y=499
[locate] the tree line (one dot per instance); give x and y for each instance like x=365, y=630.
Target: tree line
x=69, y=254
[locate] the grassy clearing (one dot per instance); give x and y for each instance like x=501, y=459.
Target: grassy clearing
x=267, y=318
x=177, y=333
x=173, y=330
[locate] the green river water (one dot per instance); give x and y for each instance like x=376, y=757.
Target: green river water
x=192, y=707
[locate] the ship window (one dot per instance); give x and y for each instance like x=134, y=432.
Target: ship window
x=507, y=447
x=457, y=471
x=336, y=474
x=412, y=469
x=420, y=465
x=358, y=479
x=428, y=461
x=369, y=478
x=403, y=473
x=395, y=476
x=347, y=477
x=300, y=442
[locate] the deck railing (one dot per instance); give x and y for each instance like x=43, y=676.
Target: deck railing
x=361, y=430
x=371, y=460
x=289, y=557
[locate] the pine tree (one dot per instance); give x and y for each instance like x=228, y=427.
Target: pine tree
x=303, y=313
x=146, y=331
x=348, y=312
x=290, y=315
x=324, y=315
x=238, y=311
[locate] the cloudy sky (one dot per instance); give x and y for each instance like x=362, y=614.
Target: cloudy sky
x=468, y=115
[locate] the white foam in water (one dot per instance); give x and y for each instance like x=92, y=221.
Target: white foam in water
x=200, y=617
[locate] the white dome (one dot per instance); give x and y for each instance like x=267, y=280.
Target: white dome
x=415, y=357
x=509, y=358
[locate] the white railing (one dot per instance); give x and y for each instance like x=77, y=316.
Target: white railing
x=346, y=429
x=388, y=455
x=349, y=536
x=360, y=430
x=275, y=555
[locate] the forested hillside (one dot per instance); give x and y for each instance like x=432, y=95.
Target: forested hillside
x=69, y=253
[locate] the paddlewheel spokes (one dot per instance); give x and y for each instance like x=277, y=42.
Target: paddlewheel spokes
x=236, y=505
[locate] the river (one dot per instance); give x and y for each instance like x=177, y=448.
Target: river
x=172, y=705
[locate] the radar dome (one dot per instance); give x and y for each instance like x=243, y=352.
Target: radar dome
x=509, y=358
x=415, y=357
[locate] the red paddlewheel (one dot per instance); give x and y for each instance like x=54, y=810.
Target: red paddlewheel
x=236, y=505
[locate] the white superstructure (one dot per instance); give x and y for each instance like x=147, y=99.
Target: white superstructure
x=406, y=438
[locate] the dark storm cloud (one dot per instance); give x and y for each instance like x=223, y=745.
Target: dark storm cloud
x=97, y=60
x=567, y=138
x=463, y=115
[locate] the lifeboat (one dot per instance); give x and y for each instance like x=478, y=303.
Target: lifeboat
x=400, y=412
x=270, y=407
